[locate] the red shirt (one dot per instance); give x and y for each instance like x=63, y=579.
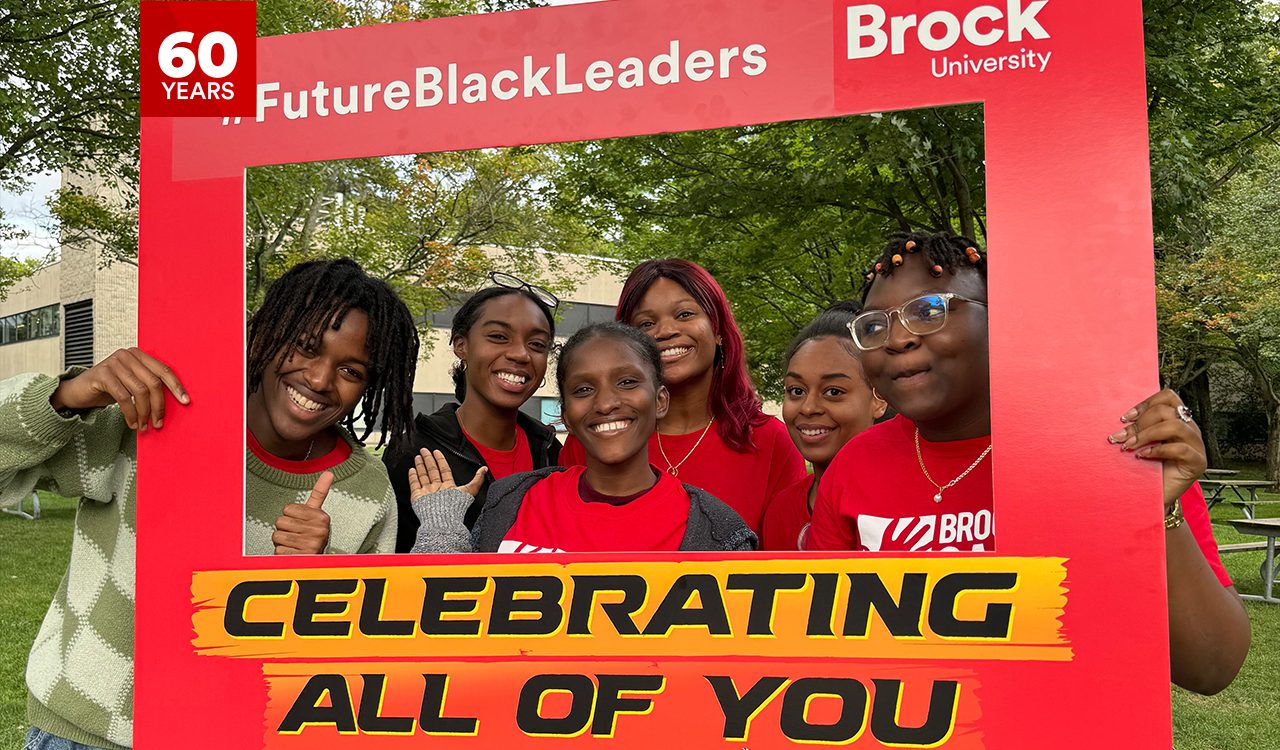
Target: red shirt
x=874, y=497
x=746, y=482
x=341, y=452
x=553, y=517
x=505, y=463
x=787, y=517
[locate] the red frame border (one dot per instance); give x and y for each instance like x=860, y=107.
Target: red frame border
x=1071, y=324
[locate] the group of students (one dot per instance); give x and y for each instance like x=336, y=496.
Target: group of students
x=668, y=448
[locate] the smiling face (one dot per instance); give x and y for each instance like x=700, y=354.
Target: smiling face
x=315, y=387
x=827, y=400
x=683, y=331
x=611, y=402
x=505, y=351
x=939, y=381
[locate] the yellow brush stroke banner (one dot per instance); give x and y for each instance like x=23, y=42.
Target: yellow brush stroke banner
x=1005, y=608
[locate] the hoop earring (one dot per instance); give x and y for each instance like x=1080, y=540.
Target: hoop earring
x=718, y=361
x=543, y=384
x=462, y=365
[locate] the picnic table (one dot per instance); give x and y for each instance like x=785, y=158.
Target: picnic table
x=1269, y=528
x=1211, y=473
x=18, y=511
x=1246, y=490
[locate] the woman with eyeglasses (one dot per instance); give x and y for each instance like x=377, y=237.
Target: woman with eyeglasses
x=502, y=337
x=714, y=436
x=922, y=340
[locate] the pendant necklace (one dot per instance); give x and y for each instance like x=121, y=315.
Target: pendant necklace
x=944, y=487
x=674, y=468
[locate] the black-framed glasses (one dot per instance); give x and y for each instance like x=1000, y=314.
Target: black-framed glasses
x=508, y=281
x=921, y=316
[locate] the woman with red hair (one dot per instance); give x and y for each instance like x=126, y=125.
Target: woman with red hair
x=714, y=436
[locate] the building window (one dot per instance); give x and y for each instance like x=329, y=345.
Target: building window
x=40, y=323
x=550, y=415
x=77, y=344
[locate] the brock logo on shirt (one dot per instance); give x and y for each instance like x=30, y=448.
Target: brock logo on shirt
x=509, y=545
x=946, y=532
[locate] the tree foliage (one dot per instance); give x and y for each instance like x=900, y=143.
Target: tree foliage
x=1213, y=86
x=1224, y=304
x=54, y=114
x=784, y=215
x=68, y=97
x=418, y=221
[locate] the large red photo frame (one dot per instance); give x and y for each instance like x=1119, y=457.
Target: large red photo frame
x=1072, y=343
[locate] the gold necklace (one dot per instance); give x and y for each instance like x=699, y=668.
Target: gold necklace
x=944, y=487
x=674, y=469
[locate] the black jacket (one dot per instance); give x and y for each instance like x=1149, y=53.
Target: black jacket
x=441, y=432
x=712, y=526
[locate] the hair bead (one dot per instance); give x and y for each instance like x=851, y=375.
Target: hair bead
x=936, y=270
x=910, y=246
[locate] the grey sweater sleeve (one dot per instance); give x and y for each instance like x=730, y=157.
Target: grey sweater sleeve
x=442, y=529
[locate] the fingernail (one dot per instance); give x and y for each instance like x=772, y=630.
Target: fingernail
x=143, y=428
x=159, y=423
x=1115, y=438
x=185, y=399
x=1143, y=453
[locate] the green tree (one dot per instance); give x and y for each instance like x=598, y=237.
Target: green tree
x=1224, y=304
x=420, y=221
x=83, y=115
x=785, y=215
x=1213, y=98
x=55, y=115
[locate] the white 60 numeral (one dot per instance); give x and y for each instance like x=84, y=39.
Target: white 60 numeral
x=178, y=61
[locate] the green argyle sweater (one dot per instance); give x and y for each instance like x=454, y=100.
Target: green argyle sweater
x=80, y=672
x=361, y=504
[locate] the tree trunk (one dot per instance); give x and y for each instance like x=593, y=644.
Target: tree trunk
x=1273, y=443
x=1196, y=395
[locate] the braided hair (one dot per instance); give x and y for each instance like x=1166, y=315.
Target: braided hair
x=942, y=252
x=643, y=346
x=317, y=294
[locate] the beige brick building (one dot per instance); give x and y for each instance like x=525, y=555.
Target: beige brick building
x=73, y=312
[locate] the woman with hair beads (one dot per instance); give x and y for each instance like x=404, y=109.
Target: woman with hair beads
x=611, y=397
x=714, y=436
x=826, y=401
x=502, y=337
x=931, y=366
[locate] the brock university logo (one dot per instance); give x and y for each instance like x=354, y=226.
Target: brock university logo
x=872, y=32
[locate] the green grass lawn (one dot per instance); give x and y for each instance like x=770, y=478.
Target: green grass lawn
x=33, y=555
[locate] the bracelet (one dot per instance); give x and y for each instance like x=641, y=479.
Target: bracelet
x=1173, y=519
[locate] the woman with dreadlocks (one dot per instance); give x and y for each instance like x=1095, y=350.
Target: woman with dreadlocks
x=328, y=340
x=931, y=366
